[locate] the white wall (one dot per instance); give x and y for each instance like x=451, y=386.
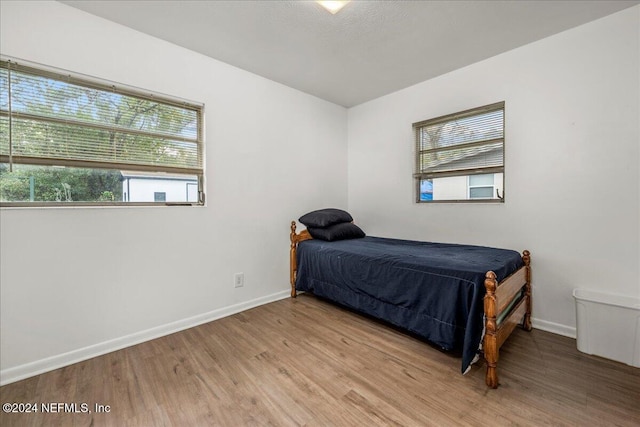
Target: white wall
x=572, y=160
x=76, y=282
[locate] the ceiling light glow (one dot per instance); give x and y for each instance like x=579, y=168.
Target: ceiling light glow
x=333, y=6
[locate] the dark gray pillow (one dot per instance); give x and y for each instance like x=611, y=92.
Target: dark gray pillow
x=341, y=231
x=325, y=217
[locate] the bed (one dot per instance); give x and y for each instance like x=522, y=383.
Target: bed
x=454, y=296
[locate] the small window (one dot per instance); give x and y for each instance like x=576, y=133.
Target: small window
x=460, y=157
x=482, y=186
x=75, y=140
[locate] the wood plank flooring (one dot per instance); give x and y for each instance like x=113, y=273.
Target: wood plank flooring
x=306, y=362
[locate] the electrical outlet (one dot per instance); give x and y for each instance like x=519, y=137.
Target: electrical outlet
x=238, y=280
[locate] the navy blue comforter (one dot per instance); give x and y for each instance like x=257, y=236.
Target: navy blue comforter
x=434, y=290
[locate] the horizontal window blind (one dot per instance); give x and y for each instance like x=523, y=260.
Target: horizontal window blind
x=48, y=118
x=466, y=143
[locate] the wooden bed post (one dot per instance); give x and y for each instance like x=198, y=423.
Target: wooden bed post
x=490, y=345
x=496, y=301
x=526, y=258
x=292, y=259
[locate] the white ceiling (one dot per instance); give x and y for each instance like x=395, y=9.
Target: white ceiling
x=369, y=49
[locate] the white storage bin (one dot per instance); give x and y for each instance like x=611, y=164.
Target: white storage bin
x=608, y=325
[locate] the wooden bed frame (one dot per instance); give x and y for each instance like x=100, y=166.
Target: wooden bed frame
x=497, y=300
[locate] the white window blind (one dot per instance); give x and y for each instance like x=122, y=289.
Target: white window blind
x=465, y=143
x=53, y=119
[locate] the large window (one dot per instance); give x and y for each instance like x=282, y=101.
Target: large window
x=76, y=140
x=460, y=157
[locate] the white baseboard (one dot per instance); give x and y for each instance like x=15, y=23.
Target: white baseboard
x=27, y=370
x=555, y=328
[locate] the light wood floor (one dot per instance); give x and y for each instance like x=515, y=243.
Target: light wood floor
x=307, y=362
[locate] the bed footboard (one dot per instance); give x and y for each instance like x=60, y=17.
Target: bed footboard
x=511, y=301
